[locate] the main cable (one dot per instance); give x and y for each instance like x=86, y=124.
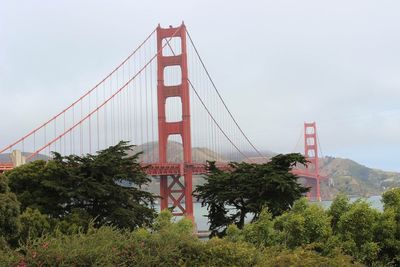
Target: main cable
x=82, y=97
x=222, y=100
x=216, y=123
x=100, y=106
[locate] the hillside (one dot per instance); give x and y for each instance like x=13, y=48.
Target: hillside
x=175, y=153
x=350, y=177
x=353, y=178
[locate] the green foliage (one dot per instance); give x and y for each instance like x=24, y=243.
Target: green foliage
x=356, y=230
x=8, y=257
x=220, y=252
x=275, y=257
x=166, y=244
x=171, y=244
x=105, y=187
x=339, y=206
x=33, y=224
x=97, y=247
x=303, y=235
x=10, y=225
x=391, y=199
x=291, y=229
x=259, y=233
x=40, y=186
x=388, y=230
x=247, y=188
x=304, y=224
x=77, y=220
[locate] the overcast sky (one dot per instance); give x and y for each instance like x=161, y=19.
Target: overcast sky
x=277, y=64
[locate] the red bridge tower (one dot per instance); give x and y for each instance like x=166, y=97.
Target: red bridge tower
x=172, y=188
x=311, y=154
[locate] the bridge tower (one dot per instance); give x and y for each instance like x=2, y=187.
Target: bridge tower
x=311, y=154
x=172, y=188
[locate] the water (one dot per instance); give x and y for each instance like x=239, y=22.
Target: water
x=202, y=223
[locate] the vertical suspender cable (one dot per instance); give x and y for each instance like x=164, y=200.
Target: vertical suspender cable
x=97, y=122
x=90, y=129
x=152, y=107
x=146, y=106
x=141, y=102
x=80, y=131
x=220, y=97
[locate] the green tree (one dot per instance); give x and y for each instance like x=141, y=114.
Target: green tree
x=339, y=206
x=385, y=235
x=356, y=229
x=260, y=233
x=105, y=186
x=33, y=224
x=391, y=198
x=303, y=224
x=388, y=229
x=9, y=213
x=42, y=186
x=247, y=188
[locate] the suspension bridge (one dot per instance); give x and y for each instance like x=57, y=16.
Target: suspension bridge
x=163, y=99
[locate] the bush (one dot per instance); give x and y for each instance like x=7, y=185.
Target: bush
x=33, y=224
x=10, y=225
x=259, y=233
x=302, y=257
x=304, y=224
x=167, y=244
x=170, y=244
x=221, y=252
x=96, y=248
x=356, y=231
x=9, y=257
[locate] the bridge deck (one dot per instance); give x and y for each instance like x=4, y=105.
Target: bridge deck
x=6, y=166
x=154, y=169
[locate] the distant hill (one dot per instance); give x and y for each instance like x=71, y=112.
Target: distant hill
x=353, y=178
x=349, y=177
x=175, y=153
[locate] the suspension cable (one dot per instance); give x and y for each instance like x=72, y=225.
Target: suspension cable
x=82, y=97
x=220, y=97
x=103, y=104
x=208, y=111
x=216, y=123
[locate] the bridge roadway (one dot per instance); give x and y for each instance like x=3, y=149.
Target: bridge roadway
x=155, y=169
x=6, y=166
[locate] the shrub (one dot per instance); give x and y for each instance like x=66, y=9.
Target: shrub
x=33, y=224
x=221, y=252
x=304, y=224
x=302, y=258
